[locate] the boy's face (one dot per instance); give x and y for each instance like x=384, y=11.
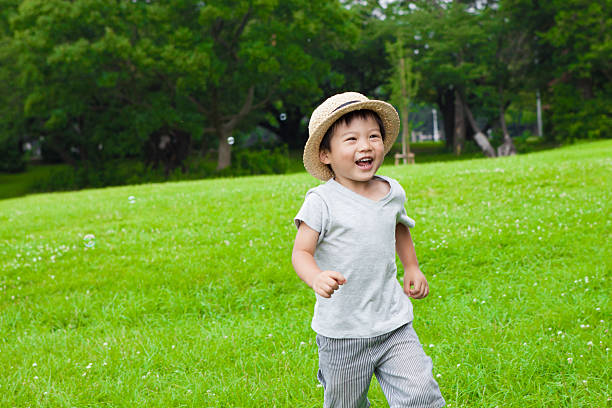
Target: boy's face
x=356, y=151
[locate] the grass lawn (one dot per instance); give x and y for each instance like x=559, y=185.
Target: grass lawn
x=186, y=295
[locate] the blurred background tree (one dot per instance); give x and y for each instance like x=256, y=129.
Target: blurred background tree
x=92, y=81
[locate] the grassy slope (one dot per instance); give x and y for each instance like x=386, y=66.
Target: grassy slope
x=188, y=297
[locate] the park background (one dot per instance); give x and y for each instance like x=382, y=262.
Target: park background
x=181, y=293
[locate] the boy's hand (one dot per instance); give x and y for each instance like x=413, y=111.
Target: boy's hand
x=415, y=284
x=327, y=282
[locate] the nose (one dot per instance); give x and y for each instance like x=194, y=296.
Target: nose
x=365, y=145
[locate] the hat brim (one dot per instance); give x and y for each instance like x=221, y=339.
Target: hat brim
x=385, y=111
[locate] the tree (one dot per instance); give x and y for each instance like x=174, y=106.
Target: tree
x=446, y=42
x=581, y=87
x=349, y=64
x=100, y=78
x=82, y=90
x=404, y=86
x=473, y=59
x=570, y=64
x=258, y=49
x=11, y=98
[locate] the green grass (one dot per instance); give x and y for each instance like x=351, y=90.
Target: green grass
x=188, y=297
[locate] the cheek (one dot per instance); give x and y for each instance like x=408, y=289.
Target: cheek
x=347, y=155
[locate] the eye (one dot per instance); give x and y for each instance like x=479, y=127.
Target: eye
x=350, y=139
x=375, y=136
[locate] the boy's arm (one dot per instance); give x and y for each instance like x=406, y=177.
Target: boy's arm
x=322, y=282
x=415, y=283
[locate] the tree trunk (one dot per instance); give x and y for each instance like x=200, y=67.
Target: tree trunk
x=290, y=131
x=479, y=137
x=404, y=109
x=57, y=148
x=225, y=151
x=446, y=103
x=459, y=128
x=507, y=148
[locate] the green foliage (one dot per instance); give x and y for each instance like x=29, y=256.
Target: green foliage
x=111, y=173
x=575, y=117
x=97, y=78
x=264, y=161
x=572, y=48
x=12, y=159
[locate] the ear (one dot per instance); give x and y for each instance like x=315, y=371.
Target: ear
x=324, y=156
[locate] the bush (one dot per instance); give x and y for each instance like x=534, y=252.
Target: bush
x=12, y=160
x=57, y=180
x=122, y=172
x=113, y=173
x=263, y=161
x=574, y=117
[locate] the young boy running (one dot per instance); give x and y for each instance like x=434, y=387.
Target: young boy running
x=349, y=230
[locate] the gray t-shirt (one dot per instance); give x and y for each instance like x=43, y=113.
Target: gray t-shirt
x=357, y=239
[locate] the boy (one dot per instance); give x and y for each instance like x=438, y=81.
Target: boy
x=348, y=231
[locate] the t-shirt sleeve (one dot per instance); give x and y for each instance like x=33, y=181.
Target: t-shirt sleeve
x=402, y=216
x=313, y=213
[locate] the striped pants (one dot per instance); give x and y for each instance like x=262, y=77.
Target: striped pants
x=397, y=359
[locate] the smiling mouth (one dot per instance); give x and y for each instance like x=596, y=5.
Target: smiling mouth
x=365, y=164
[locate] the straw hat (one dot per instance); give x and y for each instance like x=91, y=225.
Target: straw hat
x=332, y=109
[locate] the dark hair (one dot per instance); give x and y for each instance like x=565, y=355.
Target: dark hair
x=346, y=119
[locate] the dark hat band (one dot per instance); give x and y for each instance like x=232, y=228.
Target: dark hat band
x=344, y=104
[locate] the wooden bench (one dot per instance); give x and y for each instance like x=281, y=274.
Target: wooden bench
x=408, y=158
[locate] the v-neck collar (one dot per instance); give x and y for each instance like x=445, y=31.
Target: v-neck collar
x=347, y=191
